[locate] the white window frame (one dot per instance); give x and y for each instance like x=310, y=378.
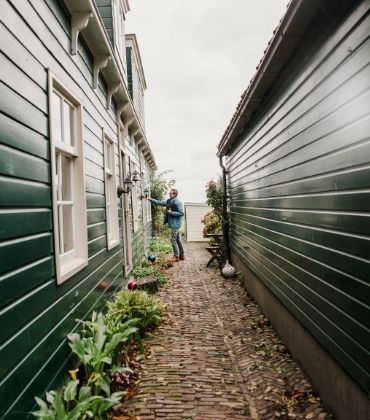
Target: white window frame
x=111, y=208
x=70, y=262
x=134, y=195
x=126, y=231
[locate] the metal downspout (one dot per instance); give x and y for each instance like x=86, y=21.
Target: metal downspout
x=225, y=222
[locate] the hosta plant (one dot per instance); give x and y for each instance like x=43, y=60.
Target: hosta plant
x=136, y=304
x=71, y=403
x=96, y=350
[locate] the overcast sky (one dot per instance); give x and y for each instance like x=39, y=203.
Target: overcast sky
x=198, y=58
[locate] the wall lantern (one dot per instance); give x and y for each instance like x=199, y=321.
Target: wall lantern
x=135, y=177
x=128, y=183
x=146, y=193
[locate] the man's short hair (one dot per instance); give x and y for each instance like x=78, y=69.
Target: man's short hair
x=174, y=191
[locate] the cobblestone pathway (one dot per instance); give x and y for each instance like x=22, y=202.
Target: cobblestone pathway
x=217, y=357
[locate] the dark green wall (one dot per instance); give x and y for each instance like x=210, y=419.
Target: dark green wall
x=129, y=71
x=300, y=188
x=37, y=314
x=106, y=13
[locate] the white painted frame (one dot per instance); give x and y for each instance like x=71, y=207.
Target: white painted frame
x=126, y=231
x=67, y=266
x=111, y=208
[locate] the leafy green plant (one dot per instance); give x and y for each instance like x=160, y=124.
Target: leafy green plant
x=214, y=194
x=96, y=350
x=116, y=326
x=149, y=270
x=69, y=403
x=213, y=220
x=97, y=345
x=159, y=245
x=136, y=304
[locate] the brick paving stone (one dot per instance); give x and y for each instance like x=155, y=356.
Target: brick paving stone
x=217, y=356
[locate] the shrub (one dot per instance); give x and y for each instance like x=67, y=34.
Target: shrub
x=136, y=304
x=160, y=245
x=162, y=263
x=212, y=223
x=149, y=270
x=97, y=345
x=214, y=194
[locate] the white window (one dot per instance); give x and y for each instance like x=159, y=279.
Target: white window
x=69, y=201
x=111, y=207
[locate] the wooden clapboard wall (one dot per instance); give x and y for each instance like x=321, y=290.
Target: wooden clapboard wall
x=300, y=188
x=35, y=313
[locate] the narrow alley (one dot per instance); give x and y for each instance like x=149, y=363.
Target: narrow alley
x=217, y=356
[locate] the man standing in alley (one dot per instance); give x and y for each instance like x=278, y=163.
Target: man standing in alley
x=173, y=218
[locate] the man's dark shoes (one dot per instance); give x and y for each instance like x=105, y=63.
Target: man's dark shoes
x=181, y=257
x=174, y=259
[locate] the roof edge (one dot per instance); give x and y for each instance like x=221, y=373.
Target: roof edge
x=285, y=39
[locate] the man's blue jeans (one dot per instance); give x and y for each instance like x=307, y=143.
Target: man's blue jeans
x=177, y=247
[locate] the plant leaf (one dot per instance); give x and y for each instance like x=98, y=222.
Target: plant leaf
x=70, y=391
x=107, y=360
x=41, y=403
x=85, y=393
x=100, y=338
x=58, y=405
x=104, y=384
x=50, y=397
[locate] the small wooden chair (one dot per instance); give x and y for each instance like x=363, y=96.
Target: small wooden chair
x=215, y=252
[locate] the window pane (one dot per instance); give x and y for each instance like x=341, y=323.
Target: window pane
x=67, y=123
x=56, y=117
x=66, y=163
x=60, y=228
x=68, y=240
x=57, y=175
x=109, y=190
x=108, y=158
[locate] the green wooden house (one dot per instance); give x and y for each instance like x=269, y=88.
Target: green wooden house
x=296, y=155
x=74, y=164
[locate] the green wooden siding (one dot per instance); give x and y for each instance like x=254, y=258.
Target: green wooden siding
x=129, y=71
x=300, y=190
x=37, y=314
x=106, y=13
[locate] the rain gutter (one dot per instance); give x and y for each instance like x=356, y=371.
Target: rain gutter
x=287, y=35
x=225, y=215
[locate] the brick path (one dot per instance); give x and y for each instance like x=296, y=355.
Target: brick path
x=217, y=357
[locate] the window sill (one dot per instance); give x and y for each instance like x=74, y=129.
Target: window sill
x=70, y=269
x=112, y=244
